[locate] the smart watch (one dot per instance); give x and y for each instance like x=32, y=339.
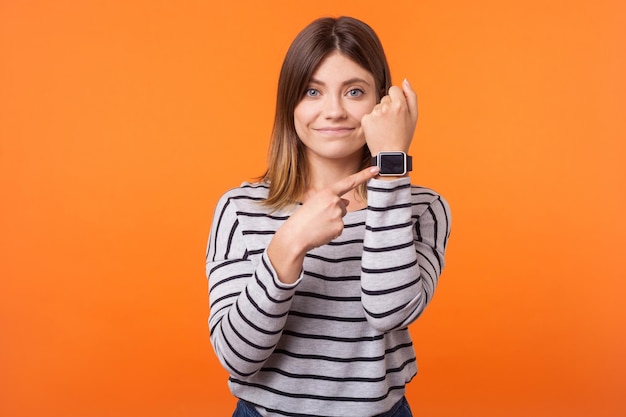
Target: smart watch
x=393, y=163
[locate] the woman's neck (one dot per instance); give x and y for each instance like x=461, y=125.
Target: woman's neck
x=324, y=174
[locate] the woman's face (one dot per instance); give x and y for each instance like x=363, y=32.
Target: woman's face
x=328, y=117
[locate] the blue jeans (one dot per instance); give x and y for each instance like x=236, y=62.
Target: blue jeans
x=245, y=409
x=400, y=409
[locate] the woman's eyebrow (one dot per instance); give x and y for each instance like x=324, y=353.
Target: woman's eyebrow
x=346, y=82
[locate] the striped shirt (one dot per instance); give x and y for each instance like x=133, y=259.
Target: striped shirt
x=334, y=343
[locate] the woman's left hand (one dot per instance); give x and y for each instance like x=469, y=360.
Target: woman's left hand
x=391, y=124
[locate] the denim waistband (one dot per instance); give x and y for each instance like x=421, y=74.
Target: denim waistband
x=394, y=409
x=250, y=408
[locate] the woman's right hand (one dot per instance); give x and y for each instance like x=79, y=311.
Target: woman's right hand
x=317, y=222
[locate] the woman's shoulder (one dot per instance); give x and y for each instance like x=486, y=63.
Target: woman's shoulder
x=248, y=197
x=427, y=197
x=248, y=190
x=422, y=192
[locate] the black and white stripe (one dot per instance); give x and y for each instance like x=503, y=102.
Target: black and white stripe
x=336, y=342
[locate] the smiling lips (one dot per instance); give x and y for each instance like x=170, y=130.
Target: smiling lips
x=334, y=131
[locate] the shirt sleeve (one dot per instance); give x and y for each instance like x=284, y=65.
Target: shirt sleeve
x=406, y=235
x=248, y=304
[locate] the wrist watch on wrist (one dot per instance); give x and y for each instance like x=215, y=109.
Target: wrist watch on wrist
x=393, y=163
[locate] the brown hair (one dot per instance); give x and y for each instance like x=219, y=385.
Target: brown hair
x=287, y=166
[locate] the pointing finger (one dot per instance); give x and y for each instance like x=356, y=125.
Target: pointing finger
x=351, y=182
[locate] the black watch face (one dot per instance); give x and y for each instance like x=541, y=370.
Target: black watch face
x=392, y=164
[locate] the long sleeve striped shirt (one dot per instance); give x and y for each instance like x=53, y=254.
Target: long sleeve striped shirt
x=334, y=343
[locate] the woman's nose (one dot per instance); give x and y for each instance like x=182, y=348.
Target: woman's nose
x=334, y=108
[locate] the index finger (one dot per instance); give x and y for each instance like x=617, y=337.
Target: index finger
x=352, y=181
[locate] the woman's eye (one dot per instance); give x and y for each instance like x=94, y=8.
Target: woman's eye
x=355, y=92
x=312, y=92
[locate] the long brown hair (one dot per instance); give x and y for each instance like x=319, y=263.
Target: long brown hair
x=287, y=166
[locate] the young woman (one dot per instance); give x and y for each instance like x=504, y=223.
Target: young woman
x=316, y=270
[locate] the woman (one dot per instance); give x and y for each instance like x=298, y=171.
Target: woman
x=316, y=271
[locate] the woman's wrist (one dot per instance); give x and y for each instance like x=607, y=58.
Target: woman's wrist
x=286, y=256
x=390, y=178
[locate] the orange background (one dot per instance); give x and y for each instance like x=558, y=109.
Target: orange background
x=122, y=122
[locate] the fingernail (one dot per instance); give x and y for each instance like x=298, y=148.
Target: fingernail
x=407, y=82
x=374, y=170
